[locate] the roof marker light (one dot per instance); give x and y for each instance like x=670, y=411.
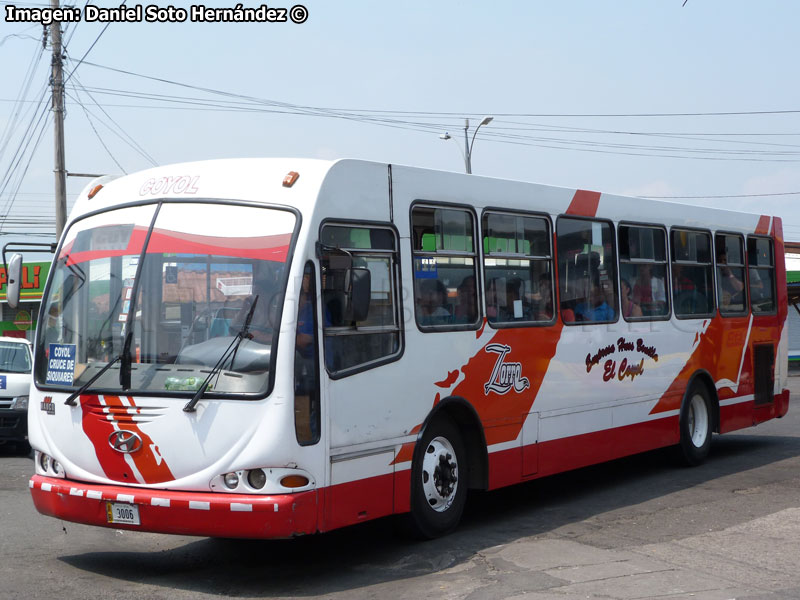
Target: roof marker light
x=93, y=192
x=290, y=178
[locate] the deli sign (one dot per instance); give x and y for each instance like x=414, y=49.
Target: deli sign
x=34, y=276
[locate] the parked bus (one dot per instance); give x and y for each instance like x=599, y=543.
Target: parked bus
x=271, y=348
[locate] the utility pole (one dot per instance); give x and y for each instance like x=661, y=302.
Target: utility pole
x=57, y=84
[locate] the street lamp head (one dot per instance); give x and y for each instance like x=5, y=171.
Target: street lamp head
x=445, y=136
x=486, y=121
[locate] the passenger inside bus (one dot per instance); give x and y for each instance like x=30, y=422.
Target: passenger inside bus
x=595, y=308
x=628, y=306
x=731, y=288
x=265, y=313
x=544, y=299
x=514, y=308
x=466, y=308
x=431, y=303
x=649, y=291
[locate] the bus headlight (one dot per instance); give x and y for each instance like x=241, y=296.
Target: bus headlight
x=256, y=478
x=263, y=480
x=56, y=467
x=20, y=403
x=231, y=480
x=48, y=466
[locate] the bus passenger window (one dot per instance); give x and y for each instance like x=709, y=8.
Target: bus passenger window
x=731, y=292
x=358, y=341
x=761, y=272
x=643, y=272
x=692, y=287
x=586, y=270
x=517, y=269
x=445, y=293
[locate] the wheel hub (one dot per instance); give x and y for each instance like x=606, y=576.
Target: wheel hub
x=698, y=420
x=440, y=474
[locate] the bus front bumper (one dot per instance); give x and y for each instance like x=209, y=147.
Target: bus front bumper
x=182, y=513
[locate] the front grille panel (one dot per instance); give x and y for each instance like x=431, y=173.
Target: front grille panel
x=126, y=415
x=7, y=422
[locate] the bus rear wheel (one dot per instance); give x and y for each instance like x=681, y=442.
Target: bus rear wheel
x=696, y=425
x=438, y=480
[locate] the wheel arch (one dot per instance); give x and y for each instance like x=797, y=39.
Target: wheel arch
x=465, y=417
x=703, y=377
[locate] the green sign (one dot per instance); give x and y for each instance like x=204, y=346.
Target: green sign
x=34, y=276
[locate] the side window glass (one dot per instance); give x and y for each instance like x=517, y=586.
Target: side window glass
x=517, y=269
x=761, y=272
x=445, y=289
x=692, y=274
x=306, y=362
x=731, y=282
x=360, y=302
x=643, y=273
x=587, y=272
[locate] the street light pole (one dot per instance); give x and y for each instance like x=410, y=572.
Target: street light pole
x=468, y=143
x=468, y=148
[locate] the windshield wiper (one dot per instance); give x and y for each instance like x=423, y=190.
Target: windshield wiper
x=126, y=348
x=230, y=351
x=71, y=399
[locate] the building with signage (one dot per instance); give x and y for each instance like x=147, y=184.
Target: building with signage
x=21, y=322
x=793, y=283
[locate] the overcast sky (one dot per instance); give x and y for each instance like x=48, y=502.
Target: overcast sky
x=550, y=73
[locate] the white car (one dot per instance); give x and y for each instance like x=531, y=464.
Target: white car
x=15, y=383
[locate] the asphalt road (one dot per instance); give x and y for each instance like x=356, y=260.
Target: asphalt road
x=640, y=527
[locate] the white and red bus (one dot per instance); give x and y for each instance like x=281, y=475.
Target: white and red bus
x=277, y=347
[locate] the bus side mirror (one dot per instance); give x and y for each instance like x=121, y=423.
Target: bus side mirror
x=359, y=283
x=13, y=277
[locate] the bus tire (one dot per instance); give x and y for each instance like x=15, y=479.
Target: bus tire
x=696, y=425
x=438, y=480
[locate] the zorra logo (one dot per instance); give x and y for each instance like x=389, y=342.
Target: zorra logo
x=505, y=375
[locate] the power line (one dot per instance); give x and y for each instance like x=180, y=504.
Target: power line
x=85, y=54
x=383, y=118
x=21, y=176
x=16, y=110
x=19, y=154
x=97, y=133
x=125, y=137
x=563, y=144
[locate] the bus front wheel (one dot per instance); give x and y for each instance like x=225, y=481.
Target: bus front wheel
x=438, y=480
x=696, y=425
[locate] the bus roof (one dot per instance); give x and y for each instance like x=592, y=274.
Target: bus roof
x=262, y=180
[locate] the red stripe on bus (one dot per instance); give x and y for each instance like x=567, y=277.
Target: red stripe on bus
x=269, y=247
x=99, y=426
x=584, y=203
x=763, y=225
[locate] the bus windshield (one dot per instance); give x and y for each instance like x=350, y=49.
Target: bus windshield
x=162, y=290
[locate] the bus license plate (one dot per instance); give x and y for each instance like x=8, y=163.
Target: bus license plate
x=120, y=512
